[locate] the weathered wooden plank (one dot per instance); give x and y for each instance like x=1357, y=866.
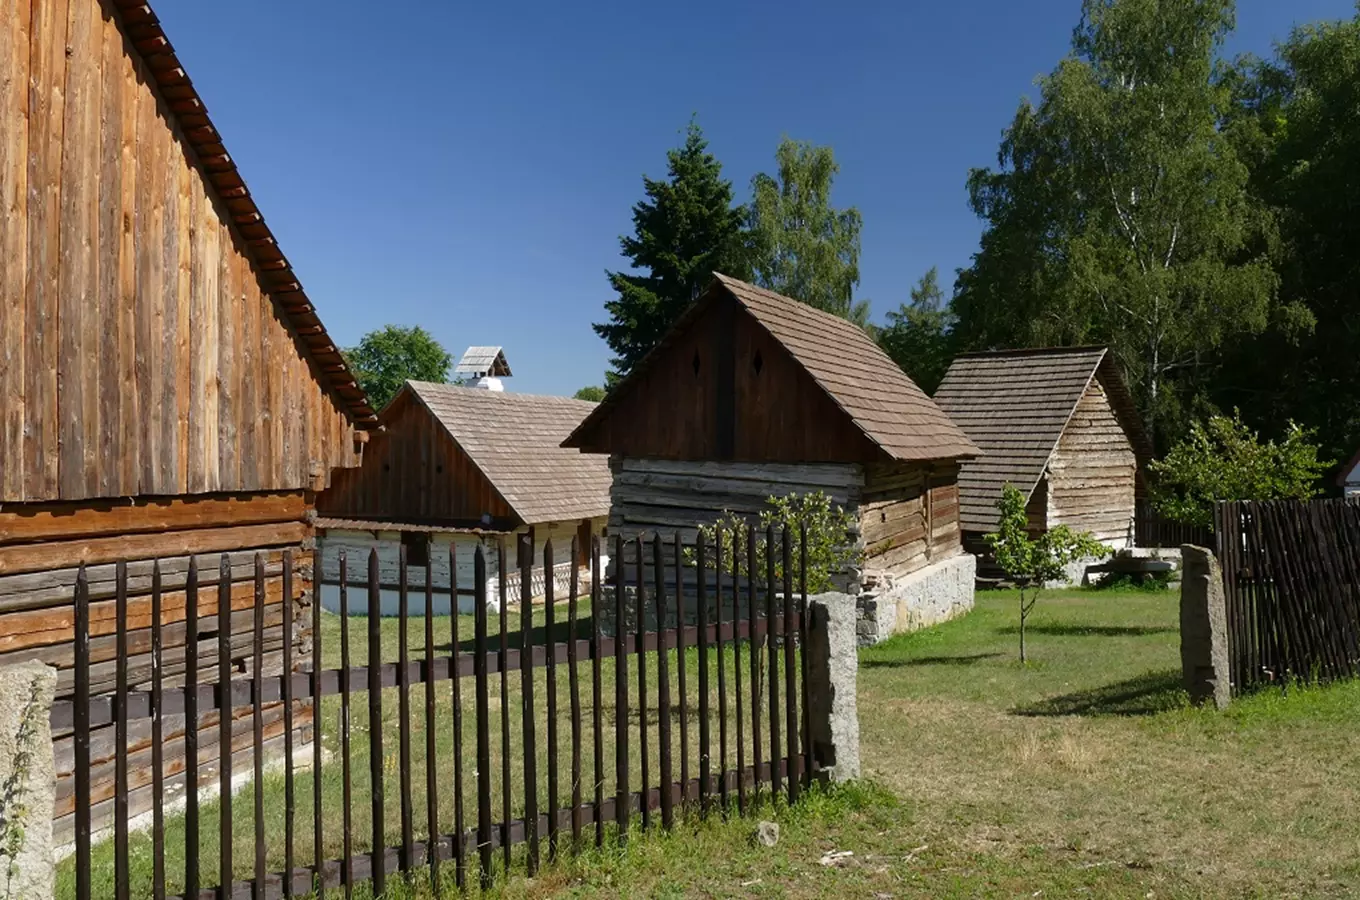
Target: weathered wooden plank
x=14, y=102
x=199, y=307
x=108, y=309
x=47, y=116
x=149, y=237
x=180, y=386
x=55, y=587
x=825, y=474
x=61, y=554
x=228, y=369
x=47, y=521
x=78, y=280
x=129, y=398
x=249, y=426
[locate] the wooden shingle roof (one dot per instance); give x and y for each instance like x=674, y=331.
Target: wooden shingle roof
x=1015, y=404
x=275, y=271
x=515, y=439
x=878, y=398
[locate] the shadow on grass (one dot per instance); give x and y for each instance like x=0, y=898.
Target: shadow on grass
x=1145, y=695
x=1090, y=630
x=964, y=660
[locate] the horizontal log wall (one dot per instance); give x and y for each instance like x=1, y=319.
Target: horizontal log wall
x=140, y=352
x=910, y=516
x=39, y=564
x=1093, y=472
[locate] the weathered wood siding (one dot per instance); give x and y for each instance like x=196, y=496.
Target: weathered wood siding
x=139, y=354
x=41, y=549
x=725, y=389
x=414, y=472
x=1093, y=471
x=667, y=496
x=909, y=516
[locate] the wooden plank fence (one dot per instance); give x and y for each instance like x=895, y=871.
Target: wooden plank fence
x=272, y=843
x=1291, y=572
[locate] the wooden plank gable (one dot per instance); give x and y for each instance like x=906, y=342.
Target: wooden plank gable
x=144, y=349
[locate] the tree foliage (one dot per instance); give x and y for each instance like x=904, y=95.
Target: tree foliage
x=685, y=230
x=802, y=246
x=1223, y=459
x=591, y=392
x=1296, y=120
x=387, y=358
x=830, y=548
x=919, y=336
x=1032, y=561
x=1120, y=212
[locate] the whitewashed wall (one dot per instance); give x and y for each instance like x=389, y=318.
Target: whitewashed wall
x=357, y=545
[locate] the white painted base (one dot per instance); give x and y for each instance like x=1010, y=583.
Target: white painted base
x=391, y=601
x=926, y=597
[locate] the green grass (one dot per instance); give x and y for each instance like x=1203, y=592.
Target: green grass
x=1081, y=773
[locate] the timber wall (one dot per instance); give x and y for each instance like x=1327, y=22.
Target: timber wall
x=139, y=354
x=1092, y=474
x=909, y=515
x=41, y=549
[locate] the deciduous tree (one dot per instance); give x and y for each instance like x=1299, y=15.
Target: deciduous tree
x=802, y=246
x=919, y=335
x=387, y=358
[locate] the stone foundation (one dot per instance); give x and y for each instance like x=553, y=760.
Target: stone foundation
x=937, y=593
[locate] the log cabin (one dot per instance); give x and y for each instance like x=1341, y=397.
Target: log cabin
x=752, y=395
x=457, y=467
x=1057, y=423
x=167, y=390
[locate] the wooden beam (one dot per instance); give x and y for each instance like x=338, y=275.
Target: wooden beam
x=64, y=554
x=57, y=521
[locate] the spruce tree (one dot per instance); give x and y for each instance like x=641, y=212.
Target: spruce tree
x=685, y=230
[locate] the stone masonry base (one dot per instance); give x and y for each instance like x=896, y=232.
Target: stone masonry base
x=926, y=597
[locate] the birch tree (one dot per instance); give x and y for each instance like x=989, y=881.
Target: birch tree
x=1120, y=213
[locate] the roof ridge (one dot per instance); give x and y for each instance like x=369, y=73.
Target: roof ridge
x=449, y=386
x=272, y=269
x=1034, y=351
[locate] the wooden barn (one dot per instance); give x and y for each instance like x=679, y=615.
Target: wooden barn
x=1349, y=478
x=166, y=388
x=461, y=466
x=1060, y=425
x=752, y=395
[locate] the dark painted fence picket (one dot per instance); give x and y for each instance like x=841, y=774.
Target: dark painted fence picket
x=677, y=620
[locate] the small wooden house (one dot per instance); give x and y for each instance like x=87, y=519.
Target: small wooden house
x=458, y=466
x=1060, y=425
x=752, y=395
x=166, y=388
x=1349, y=478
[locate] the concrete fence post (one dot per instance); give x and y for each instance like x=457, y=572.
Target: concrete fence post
x=833, y=665
x=1204, y=628
x=27, y=781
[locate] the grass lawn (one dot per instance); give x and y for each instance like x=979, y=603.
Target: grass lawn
x=1082, y=773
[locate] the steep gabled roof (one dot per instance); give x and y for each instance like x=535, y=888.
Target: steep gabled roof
x=515, y=440
x=877, y=396
x=275, y=272
x=1015, y=404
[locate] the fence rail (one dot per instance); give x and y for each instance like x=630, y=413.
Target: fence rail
x=498, y=788
x=1154, y=531
x=1291, y=572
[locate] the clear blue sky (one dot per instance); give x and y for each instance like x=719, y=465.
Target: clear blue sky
x=469, y=167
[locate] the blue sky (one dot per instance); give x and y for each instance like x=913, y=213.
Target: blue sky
x=468, y=167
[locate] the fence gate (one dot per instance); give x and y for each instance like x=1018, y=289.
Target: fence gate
x=1291, y=573
x=673, y=684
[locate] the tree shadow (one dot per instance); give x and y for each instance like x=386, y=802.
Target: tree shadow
x=1145, y=695
x=963, y=660
x=1091, y=630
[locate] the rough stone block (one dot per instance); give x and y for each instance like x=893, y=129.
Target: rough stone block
x=929, y=596
x=1204, y=628
x=833, y=667
x=27, y=780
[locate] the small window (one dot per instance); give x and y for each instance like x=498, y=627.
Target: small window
x=695, y=363
x=417, y=545
x=758, y=363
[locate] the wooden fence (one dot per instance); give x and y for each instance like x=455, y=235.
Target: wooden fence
x=1154, y=531
x=1291, y=573
x=492, y=777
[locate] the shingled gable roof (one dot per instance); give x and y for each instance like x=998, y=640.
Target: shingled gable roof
x=1015, y=405
x=1352, y=467
x=276, y=274
x=515, y=440
x=885, y=404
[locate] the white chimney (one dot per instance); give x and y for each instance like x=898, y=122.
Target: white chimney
x=483, y=367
